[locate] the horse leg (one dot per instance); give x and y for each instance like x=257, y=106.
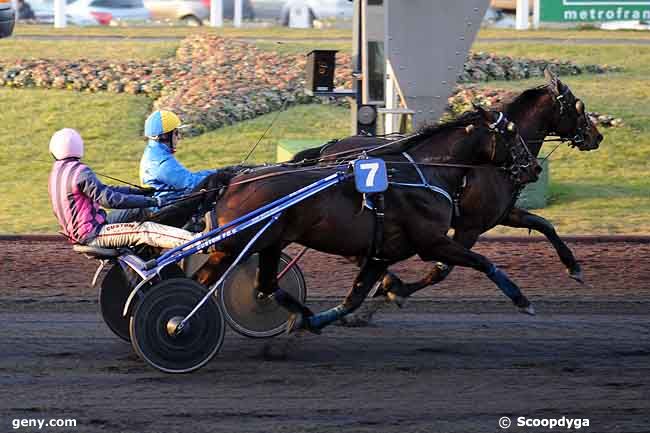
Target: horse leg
x=267, y=281
x=455, y=254
x=522, y=219
x=371, y=271
x=397, y=291
x=210, y=272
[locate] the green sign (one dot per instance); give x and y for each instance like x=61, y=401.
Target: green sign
x=594, y=10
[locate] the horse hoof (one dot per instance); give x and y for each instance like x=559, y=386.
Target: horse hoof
x=398, y=300
x=390, y=282
x=530, y=310
x=577, y=275
x=296, y=322
x=356, y=320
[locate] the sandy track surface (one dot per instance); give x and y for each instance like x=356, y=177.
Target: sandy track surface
x=410, y=372
x=455, y=360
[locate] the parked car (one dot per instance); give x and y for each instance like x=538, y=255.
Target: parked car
x=44, y=14
x=318, y=9
x=7, y=18
x=106, y=11
x=92, y=12
x=193, y=12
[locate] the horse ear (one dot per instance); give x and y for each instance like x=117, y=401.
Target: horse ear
x=553, y=82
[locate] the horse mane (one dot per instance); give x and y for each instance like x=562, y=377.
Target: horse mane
x=427, y=131
x=465, y=119
x=522, y=101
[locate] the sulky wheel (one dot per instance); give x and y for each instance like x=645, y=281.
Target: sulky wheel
x=113, y=293
x=249, y=312
x=115, y=289
x=154, y=333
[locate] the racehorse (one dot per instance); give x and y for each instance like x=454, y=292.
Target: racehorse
x=416, y=221
x=488, y=197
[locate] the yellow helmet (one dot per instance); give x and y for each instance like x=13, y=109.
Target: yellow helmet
x=160, y=122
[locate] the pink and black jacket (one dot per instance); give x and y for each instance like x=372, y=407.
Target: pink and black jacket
x=76, y=194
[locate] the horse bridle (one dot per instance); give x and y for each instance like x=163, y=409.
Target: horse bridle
x=521, y=158
x=581, y=129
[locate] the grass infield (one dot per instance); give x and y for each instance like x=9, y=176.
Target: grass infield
x=602, y=192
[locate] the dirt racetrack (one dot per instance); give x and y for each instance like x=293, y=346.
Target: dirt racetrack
x=456, y=359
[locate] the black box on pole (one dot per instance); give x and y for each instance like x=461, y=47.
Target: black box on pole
x=320, y=71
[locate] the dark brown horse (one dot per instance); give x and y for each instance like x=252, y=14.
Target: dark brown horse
x=488, y=198
x=416, y=218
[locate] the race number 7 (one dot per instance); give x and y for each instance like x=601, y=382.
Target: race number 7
x=370, y=175
x=373, y=167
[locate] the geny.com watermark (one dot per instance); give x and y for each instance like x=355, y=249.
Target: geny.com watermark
x=39, y=423
x=549, y=423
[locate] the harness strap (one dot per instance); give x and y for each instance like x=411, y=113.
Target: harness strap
x=423, y=179
x=499, y=120
x=458, y=195
x=378, y=235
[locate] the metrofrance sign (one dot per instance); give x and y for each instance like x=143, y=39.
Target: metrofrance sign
x=594, y=10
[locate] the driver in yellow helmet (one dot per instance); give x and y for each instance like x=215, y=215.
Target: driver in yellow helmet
x=159, y=168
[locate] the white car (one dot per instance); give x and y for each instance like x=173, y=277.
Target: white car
x=93, y=12
x=318, y=9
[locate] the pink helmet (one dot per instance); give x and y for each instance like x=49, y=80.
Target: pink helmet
x=66, y=143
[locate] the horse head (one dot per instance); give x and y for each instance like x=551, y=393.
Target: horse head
x=572, y=122
x=501, y=145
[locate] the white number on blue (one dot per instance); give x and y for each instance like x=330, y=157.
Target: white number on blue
x=373, y=167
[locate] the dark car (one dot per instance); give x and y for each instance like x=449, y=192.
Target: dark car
x=7, y=18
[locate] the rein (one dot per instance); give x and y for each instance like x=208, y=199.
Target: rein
x=118, y=180
x=134, y=185
x=284, y=104
x=359, y=150
x=270, y=175
x=328, y=167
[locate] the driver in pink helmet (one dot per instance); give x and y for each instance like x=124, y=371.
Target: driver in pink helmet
x=76, y=195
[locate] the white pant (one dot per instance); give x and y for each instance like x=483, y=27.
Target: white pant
x=136, y=233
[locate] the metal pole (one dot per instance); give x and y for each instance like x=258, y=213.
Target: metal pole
x=216, y=13
x=358, y=69
x=59, y=14
x=536, y=13
x=237, y=17
x=391, y=121
x=521, y=22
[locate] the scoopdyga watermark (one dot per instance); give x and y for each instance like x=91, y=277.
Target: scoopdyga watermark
x=547, y=423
